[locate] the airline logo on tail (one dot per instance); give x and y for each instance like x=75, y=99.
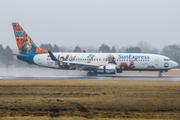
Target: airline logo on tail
x=19, y=33
x=24, y=42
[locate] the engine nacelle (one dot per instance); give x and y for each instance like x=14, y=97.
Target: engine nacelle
x=106, y=70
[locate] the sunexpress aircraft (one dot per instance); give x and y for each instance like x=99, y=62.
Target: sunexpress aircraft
x=94, y=63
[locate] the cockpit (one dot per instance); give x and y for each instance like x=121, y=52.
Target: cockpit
x=167, y=59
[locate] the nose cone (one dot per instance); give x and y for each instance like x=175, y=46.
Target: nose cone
x=174, y=64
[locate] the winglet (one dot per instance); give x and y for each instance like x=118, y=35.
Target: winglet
x=52, y=56
x=84, y=50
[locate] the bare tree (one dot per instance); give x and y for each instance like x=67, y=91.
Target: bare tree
x=122, y=50
x=172, y=51
x=91, y=49
x=104, y=48
x=133, y=50
x=144, y=46
x=77, y=49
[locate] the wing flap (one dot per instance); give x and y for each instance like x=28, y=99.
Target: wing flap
x=81, y=66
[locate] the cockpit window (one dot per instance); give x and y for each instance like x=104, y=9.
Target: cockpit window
x=167, y=59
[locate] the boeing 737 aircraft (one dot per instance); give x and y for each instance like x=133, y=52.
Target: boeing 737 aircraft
x=94, y=63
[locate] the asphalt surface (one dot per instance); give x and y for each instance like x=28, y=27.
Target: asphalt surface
x=49, y=74
x=115, y=77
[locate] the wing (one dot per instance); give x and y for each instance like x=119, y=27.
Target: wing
x=76, y=65
x=81, y=66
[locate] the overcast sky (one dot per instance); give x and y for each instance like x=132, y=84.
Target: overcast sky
x=92, y=22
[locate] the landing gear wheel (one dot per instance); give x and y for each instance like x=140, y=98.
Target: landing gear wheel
x=89, y=74
x=159, y=74
x=94, y=73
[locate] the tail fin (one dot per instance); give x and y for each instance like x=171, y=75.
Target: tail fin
x=24, y=42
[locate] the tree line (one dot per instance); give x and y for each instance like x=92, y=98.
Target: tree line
x=171, y=51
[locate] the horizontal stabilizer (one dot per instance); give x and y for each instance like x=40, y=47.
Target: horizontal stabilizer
x=81, y=66
x=16, y=54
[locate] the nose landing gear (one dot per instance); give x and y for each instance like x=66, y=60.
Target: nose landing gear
x=159, y=74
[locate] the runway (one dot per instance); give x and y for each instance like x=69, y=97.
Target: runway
x=146, y=78
x=49, y=74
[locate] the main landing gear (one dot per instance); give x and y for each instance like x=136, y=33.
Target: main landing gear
x=92, y=73
x=159, y=74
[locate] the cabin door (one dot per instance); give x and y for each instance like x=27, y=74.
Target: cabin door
x=39, y=60
x=156, y=61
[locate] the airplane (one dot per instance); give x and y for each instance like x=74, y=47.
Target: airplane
x=94, y=63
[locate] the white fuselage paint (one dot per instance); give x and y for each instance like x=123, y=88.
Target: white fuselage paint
x=141, y=61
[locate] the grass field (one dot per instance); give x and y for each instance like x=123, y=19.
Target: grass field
x=80, y=99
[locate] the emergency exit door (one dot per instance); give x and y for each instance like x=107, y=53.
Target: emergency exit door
x=157, y=61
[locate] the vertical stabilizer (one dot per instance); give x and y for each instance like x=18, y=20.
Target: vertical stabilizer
x=24, y=42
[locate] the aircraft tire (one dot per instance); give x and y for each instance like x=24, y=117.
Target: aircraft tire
x=89, y=74
x=159, y=75
x=94, y=73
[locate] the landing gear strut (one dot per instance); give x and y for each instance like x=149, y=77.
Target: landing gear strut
x=89, y=73
x=93, y=73
x=159, y=74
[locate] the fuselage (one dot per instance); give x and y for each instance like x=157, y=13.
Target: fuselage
x=122, y=61
x=95, y=63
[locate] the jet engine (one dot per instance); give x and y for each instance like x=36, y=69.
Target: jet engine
x=107, y=70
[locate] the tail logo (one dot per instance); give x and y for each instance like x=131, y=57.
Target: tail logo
x=19, y=33
x=27, y=47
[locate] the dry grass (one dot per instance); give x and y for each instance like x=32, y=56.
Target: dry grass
x=59, y=99
x=66, y=118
